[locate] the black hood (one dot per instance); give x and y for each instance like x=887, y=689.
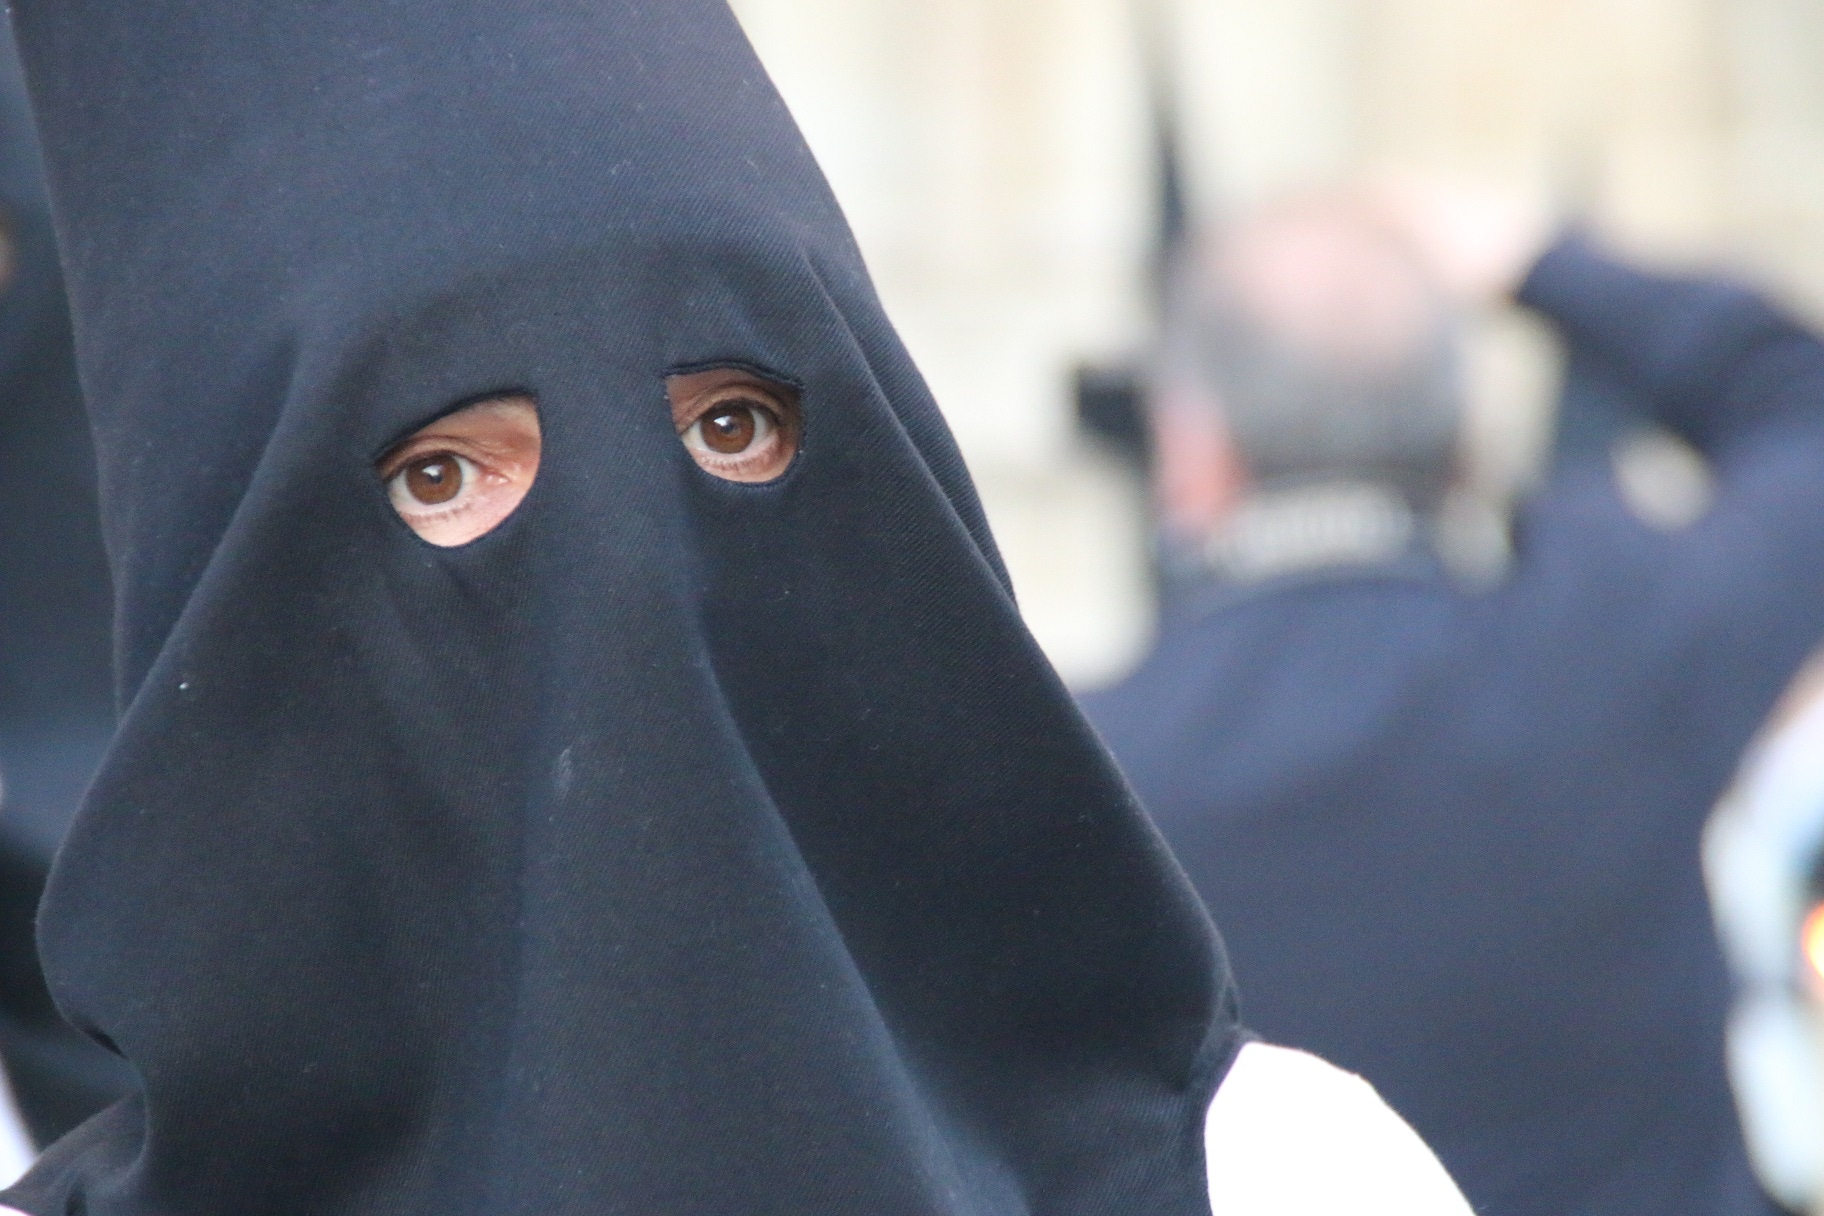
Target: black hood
x=677, y=847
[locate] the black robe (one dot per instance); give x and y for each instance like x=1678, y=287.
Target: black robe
x=678, y=846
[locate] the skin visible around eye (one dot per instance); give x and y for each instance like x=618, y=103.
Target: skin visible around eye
x=736, y=425
x=458, y=478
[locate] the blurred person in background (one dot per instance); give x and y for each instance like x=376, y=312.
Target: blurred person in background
x=1452, y=834
x=56, y=696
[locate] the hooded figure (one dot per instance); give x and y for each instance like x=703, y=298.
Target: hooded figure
x=673, y=841
x=56, y=702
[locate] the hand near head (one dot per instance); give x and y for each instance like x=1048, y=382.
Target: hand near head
x=1477, y=244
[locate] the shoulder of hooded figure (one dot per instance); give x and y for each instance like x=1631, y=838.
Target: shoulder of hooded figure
x=1290, y=1134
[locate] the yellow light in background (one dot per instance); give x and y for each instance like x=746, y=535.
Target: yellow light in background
x=1811, y=941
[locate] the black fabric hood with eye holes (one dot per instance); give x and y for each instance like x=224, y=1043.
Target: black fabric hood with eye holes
x=56, y=702
x=677, y=847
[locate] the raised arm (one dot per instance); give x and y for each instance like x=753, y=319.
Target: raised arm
x=1694, y=629
x=1709, y=358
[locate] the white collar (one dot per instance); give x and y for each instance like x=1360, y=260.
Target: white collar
x=1333, y=523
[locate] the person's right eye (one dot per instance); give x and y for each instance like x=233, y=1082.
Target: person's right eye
x=458, y=478
x=431, y=481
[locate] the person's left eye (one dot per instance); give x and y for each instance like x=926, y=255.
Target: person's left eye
x=736, y=425
x=732, y=428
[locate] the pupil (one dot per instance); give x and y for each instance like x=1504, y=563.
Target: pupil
x=434, y=480
x=729, y=430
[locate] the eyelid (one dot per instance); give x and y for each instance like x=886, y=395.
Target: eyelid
x=420, y=446
x=734, y=395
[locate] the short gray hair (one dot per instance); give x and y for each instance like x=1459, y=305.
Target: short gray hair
x=1300, y=409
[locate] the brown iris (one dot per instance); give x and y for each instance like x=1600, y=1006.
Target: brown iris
x=434, y=479
x=731, y=429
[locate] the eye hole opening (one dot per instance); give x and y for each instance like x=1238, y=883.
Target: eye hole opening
x=458, y=478
x=736, y=424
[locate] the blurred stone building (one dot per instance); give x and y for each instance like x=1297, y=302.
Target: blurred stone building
x=998, y=161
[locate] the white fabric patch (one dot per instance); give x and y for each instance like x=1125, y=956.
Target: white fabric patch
x=15, y=1146
x=1289, y=1135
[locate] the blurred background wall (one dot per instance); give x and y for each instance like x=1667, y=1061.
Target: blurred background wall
x=998, y=160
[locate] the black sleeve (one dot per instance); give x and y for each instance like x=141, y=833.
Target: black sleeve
x=1686, y=635
x=1708, y=358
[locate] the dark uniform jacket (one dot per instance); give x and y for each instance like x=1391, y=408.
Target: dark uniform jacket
x=1452, y=838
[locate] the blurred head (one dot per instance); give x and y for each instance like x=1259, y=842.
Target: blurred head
x=1304, y=345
